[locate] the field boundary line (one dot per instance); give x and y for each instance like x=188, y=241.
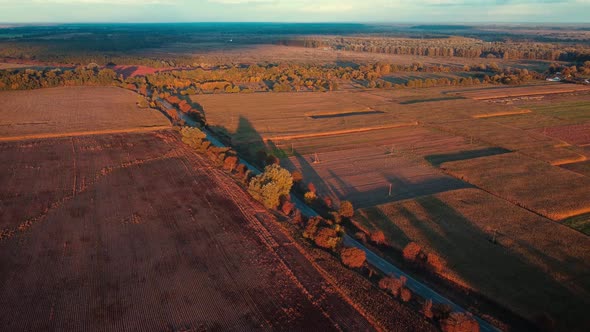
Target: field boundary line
x=84, y=133
x=340, y=132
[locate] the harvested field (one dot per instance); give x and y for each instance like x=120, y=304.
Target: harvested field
x=137, y=232
x=532, y=253
x=530, y=143
x=573, y=134
x=508, y=92
x=73, y=110
x=548, y=190
x=582, y=167
x=364, y=175
x=274, y=114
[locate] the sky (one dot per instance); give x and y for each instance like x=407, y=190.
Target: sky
x=364, y=11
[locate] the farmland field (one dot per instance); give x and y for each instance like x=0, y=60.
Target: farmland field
x=531, y=253
x=548, y=190
x=508, y=92
x=118, y=225
x=72, y=110
x=134, y=231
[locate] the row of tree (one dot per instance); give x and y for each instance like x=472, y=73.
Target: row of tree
x=448, y=47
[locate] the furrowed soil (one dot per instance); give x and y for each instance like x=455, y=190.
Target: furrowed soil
x=137, y=232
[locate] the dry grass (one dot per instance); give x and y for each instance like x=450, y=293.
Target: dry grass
x=548, y=190
x=73, y=109
x=532, y=253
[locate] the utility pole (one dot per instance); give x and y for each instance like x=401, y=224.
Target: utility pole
x=389, y=194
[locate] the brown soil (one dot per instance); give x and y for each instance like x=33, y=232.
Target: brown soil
x=136, y=232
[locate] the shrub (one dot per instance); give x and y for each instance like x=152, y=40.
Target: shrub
x=241, y=170
x=309, y=197
x=269, y=186
x=435, y=262
x=334, y=216
x=346, y=210
x=287, y=207
x=393, y=285
x=230, y=163
x=297, y=176
x=311, y=188
x=327, y=238
x=328, y=202
x=360, y=236
x=405, y=294
x=311, y=227
x=297, y=216
x=459, y=322
x=353, y=257
x=411, y=251
x=427, y=308
x=378, y=237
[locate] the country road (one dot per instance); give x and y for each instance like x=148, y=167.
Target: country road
x=372, y=258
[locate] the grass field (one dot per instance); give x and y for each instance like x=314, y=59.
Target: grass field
x=73, y=109
x=531, y=253
x=548, y=190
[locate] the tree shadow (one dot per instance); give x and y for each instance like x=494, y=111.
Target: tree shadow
x=485, y=265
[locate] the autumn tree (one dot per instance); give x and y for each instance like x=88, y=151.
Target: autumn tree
x=269, y=186
x=411, y=251
x=327, y=238
x=459, y=322
x=230, y=163
x=378, y=237
x=346, y=210
x=353, y=257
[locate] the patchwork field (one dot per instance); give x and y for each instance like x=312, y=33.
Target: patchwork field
x=133, y=230
x=70, y=110
x=548, y=190
x=531, y=252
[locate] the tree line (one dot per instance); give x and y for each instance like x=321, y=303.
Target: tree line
x=449, y=47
